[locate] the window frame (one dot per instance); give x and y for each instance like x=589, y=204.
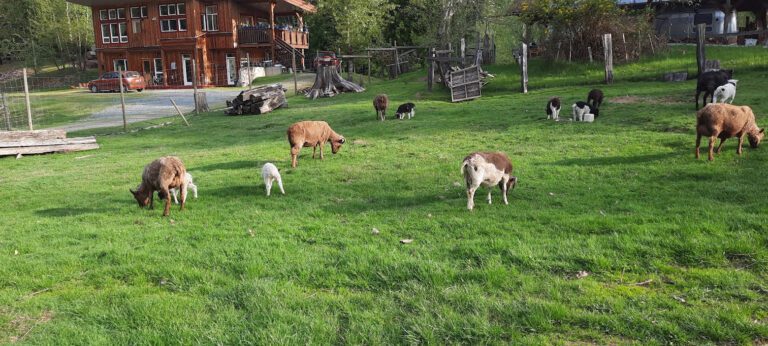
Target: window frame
x=105, y=34
x=211, y=20
x=103, y=15
x=138, y=9
x=112, y=13
x=119, y=11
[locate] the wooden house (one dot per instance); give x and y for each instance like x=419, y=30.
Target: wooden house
x=163, y=39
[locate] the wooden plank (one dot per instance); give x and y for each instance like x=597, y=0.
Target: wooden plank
x=37, y=143
x=48, y=149
x=524, y=69
x=431, y=72
x=353, y=56
x=608, y=52
x=9, y=136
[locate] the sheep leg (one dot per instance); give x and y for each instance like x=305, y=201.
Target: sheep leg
x=183, y=195
x=712, y=140
x=280, y=184
x=175, y=193
x=503, y=185
x=489, y=196
x=151, y=199
x=698, y=144
x=698, y=92
x=167, y=209
x=294, y=156
x=741, y=142
x=314, y=149
x=268, y=183
x=194, y=188
x=321, y=151
x=720, y=147
x=471, y=197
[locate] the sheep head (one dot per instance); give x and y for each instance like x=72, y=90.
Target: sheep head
x=141, y=197
x=336, y=144
x=755, y=137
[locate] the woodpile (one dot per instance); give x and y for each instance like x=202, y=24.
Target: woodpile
x=329, y=83
x=259, y=100
x=42, y=141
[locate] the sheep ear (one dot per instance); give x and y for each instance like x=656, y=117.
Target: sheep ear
x=342, y=140
x=761, y=130
x=132, y=192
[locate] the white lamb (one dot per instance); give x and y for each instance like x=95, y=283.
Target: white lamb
x=190, y=185
x=270, y=173
x=725, y=92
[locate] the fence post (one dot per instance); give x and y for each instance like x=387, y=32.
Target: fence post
x=589, y=49
x=293, y=66
x=700, y=56
x=179, y=111
x=524, y=69
x=608, y=52
x=624, y=39
x=431, y=70
x=369, y=67
x=6, y=112
x=122, y=98
x=26, y=97
x=248, y=57
x=397, y=61
x=194, y=85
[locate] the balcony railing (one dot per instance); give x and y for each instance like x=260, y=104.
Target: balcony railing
x=255, y=35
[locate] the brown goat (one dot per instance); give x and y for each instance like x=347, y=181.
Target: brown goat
x=595, y=99
x=161, y=175
x=380, y=103
x=722, y=120
x=312, y=134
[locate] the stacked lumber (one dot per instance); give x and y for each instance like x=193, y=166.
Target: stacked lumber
x=259, y=100
x=329, y=83
x=42, y=141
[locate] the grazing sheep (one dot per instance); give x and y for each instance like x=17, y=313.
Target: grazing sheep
x=312, y=134
x=553, y=109
x=406, y=108
x=721, y=120
x=579, y=109
x=595, y=99
x=725, y=93
x=161, y=175
x=270, y=174
x=487, y=169
x=190, y=184
x=709, y=81
x=380, y=103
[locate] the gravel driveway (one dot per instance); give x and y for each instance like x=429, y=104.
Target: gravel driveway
x=153, y=104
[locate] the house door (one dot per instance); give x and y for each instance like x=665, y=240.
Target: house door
x=231, y=69
x=186, y=65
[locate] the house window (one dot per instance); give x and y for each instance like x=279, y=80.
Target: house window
x=178, y=23
x=120, y=64
x=120, y=13
x=105, y=34
x=136, y=24
x=114, y=28
x=211, y=19
x=123, y=33
x=103, y=14
x=139, y=12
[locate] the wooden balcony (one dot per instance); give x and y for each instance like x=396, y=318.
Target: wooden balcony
x=253, y=35
x=261, y=36
x=297, y=39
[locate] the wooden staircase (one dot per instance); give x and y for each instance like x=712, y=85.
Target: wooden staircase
x=284, y=52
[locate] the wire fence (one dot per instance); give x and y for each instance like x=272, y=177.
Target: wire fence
x=65, y=103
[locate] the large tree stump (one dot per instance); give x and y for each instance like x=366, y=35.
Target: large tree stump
x=329, y=83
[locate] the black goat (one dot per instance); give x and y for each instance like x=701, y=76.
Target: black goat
x=709, y=81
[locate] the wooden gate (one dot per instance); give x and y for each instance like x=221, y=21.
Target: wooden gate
x=465, y=84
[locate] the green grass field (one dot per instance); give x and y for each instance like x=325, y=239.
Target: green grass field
x=676, y=249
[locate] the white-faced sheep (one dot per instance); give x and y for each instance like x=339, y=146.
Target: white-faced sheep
x=161, y=175
x=270, y=173
x=553, y=109
x=721, y=120
x=312, y=134
x=725, y=93
x=190, y=185
x=380, y=104
x=487, y=169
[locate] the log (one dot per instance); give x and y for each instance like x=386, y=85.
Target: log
x=259, y=100
x=8, y=136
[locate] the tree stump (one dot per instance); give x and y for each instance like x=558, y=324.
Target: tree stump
x=329, y=83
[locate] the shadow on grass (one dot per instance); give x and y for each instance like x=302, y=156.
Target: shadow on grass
x=61, y=212
x=617, y=160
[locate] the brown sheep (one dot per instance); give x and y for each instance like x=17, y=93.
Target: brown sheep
x=487, y=169
x=722, y=120
x=380, y=103
x=161, y=175
x=312, y=134
x=595, y=99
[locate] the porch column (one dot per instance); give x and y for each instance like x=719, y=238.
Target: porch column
x=272, y=24
x=166, y=70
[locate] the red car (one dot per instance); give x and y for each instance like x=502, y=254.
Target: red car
x=132, y=80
